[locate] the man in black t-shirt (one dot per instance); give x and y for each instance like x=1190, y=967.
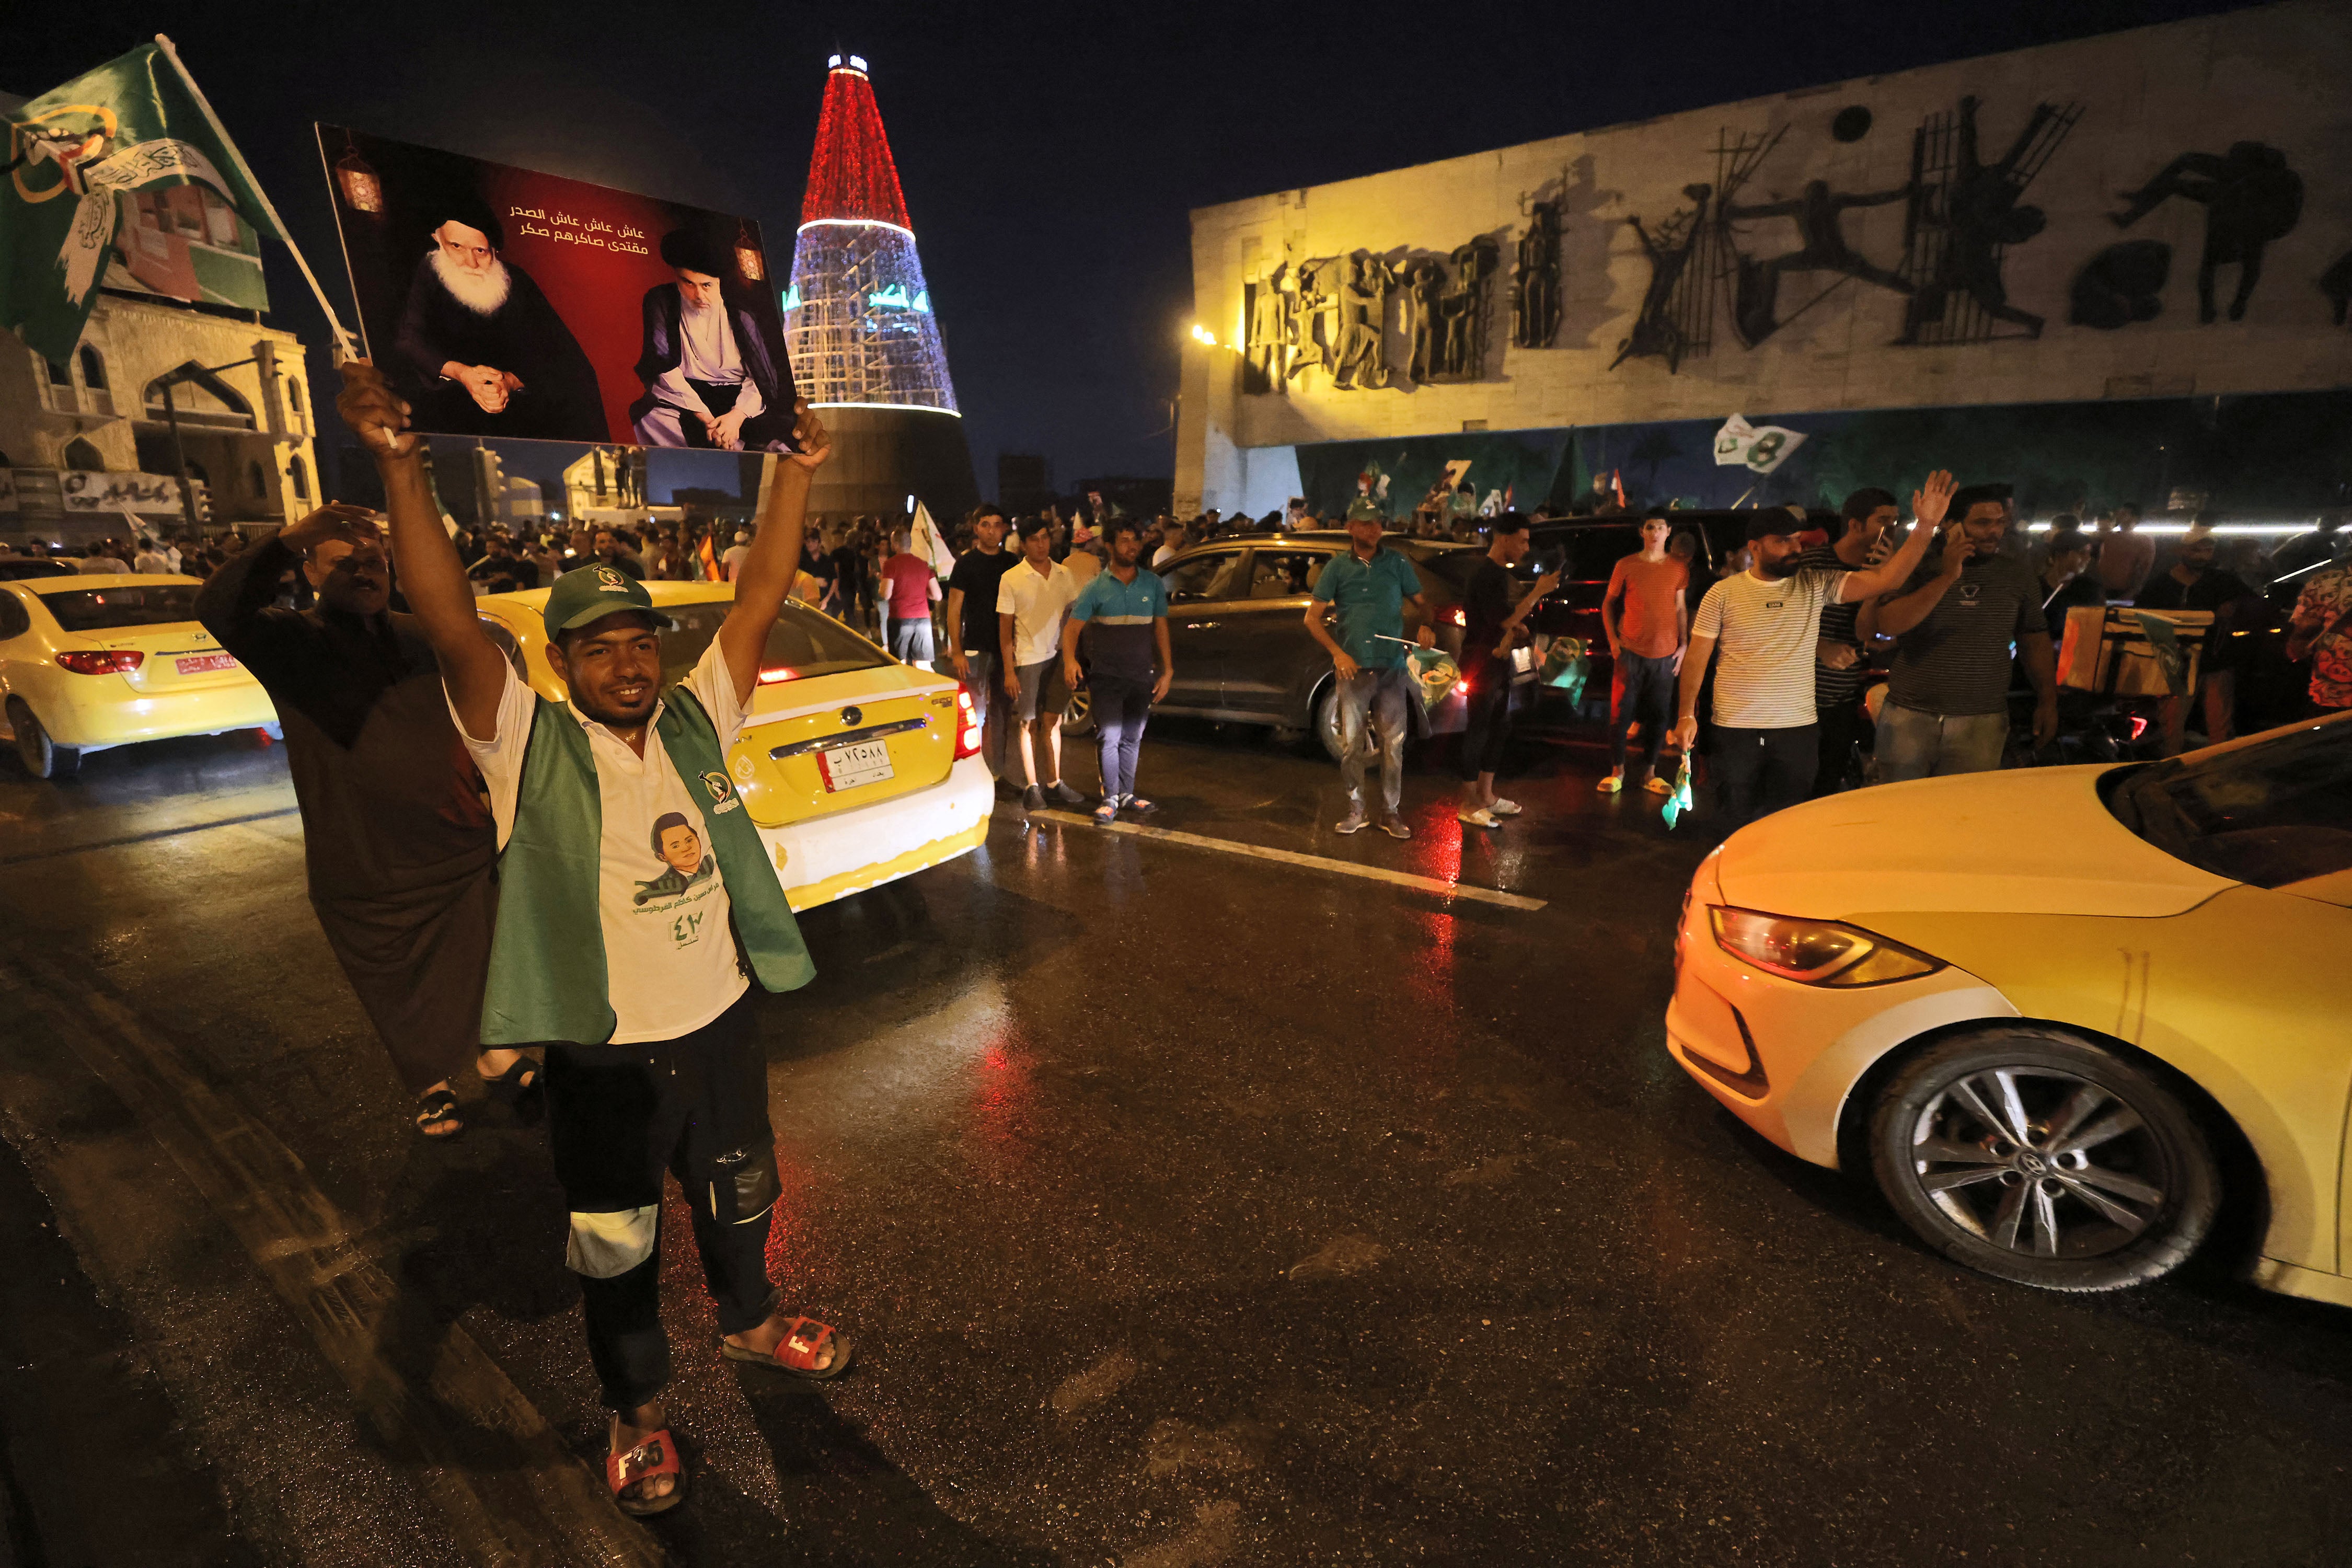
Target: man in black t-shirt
x=972, y=629
x=1491, y=619
x=2195, y=584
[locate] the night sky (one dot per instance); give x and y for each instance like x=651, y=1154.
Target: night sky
x=1050, y=153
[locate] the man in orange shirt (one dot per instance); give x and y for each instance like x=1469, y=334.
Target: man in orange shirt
x=1648, y=617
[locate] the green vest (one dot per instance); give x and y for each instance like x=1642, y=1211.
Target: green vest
x=548, y=981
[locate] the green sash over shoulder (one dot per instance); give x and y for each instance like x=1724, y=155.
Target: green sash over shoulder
x=548, y=981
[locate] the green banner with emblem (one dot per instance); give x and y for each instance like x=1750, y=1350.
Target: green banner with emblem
x=132, y=124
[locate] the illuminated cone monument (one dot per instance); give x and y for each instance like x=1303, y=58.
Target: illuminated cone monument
x=858, y=323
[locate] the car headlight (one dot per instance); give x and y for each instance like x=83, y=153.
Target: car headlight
x=1815, y=952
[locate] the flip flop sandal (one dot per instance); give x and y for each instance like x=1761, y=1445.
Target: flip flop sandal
x=438, y=1106
x=515, y=1085
x=1106, y=815
x=796, y=1352
x=1141, y=807
x=656, y=1455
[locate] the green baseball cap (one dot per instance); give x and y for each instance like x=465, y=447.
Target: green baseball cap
x=591, y=593
x=1362, y=510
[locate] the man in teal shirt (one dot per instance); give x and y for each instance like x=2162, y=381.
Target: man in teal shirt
x=1370, y=587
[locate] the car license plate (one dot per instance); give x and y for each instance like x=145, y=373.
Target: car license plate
x=198, y=663
x=847, y=767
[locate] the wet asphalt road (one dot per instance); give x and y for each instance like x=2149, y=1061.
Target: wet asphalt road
x=1189, y=1208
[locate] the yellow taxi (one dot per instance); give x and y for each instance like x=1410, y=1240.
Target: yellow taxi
x=858, y=770
x=90, y=662
x=2068, y=1017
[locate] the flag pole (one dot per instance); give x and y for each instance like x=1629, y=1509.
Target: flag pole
x=344, y=348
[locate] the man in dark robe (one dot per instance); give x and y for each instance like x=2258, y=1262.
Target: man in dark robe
x=481, y=352
x=398, y=840
x=710, y=379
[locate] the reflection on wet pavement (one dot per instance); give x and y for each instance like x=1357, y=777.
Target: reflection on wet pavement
x=1187, y=1208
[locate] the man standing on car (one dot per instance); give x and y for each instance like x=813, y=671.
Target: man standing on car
x=1646, y=614
x=1765, y=621
x=1371, y=587
x=1838, y=667
x=1955, y=623
x=398, y=850
x=1032, y=597
x=1122, y=614
x=655, y=1063
x=971, y=627
x=1491, y=622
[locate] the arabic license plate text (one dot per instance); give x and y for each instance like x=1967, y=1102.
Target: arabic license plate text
x=847, y=767
x=198, y=663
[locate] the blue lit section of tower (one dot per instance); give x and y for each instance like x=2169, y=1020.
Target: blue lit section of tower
x=857, y=318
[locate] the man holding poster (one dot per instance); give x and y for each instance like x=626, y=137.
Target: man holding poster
x=636, y=907
x=709, y=380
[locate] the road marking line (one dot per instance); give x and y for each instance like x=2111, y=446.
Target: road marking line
x=144, y=837
x=432, y=1393
x=1291, y=857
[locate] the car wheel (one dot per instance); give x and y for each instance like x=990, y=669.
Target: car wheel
x=1079, y=716
x=2041, y=1158
x=37, y=750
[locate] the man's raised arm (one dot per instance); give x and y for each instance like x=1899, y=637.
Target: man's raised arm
x=767, y=573
x=1928, y=504
x=472, y=668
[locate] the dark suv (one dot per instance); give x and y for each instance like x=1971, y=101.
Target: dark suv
x=1585, y=551
x=1237, y=626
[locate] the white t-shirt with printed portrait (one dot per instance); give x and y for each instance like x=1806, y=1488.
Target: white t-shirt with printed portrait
x=669, y=954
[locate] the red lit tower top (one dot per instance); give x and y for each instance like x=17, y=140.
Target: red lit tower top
x=851, y=175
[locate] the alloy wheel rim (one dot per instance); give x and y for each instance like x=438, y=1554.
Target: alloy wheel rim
x=2040, y=1162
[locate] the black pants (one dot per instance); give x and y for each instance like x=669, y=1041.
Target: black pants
x=1643, y=690
x=1843, y=726
x=1489, y=726
x=1757, y=772
x=620, y=1116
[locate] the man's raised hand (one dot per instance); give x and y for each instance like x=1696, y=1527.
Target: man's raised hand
x=336, y=520
x=815, y=440
x=377, y=417
x=1933, y=498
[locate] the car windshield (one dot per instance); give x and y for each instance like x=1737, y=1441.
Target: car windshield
x=2267, y=814
x=106, y=610
x=801, y=641
x=15, y=569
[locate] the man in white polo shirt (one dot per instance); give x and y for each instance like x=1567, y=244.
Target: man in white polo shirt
x=1764, y=622
x=1031, y=599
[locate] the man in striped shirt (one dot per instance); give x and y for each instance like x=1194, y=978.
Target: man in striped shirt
x=1839, y=667
x=1765, y=621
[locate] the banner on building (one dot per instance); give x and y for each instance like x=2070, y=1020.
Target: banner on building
x=1758, y=448
x=501, y=302
x=123, y=173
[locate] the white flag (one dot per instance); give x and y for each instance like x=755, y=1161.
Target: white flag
x=1758, y=448
x=928, y=543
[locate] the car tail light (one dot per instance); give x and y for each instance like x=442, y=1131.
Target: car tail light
x=777, y=674
x=2138, y=726
x=1814, y=953
x=104, y=661
x=968, y=727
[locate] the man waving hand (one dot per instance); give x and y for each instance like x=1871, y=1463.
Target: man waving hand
x=636, y=904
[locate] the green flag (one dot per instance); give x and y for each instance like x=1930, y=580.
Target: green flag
x=134, y=122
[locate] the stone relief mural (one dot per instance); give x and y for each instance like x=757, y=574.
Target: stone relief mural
x=1761, y=245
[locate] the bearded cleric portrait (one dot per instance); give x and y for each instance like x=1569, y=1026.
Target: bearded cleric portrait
x=710, y=379
x=480, y=352
x=505, y=302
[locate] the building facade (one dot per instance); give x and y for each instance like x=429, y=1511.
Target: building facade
x=2122, y=263
x=88, y=448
